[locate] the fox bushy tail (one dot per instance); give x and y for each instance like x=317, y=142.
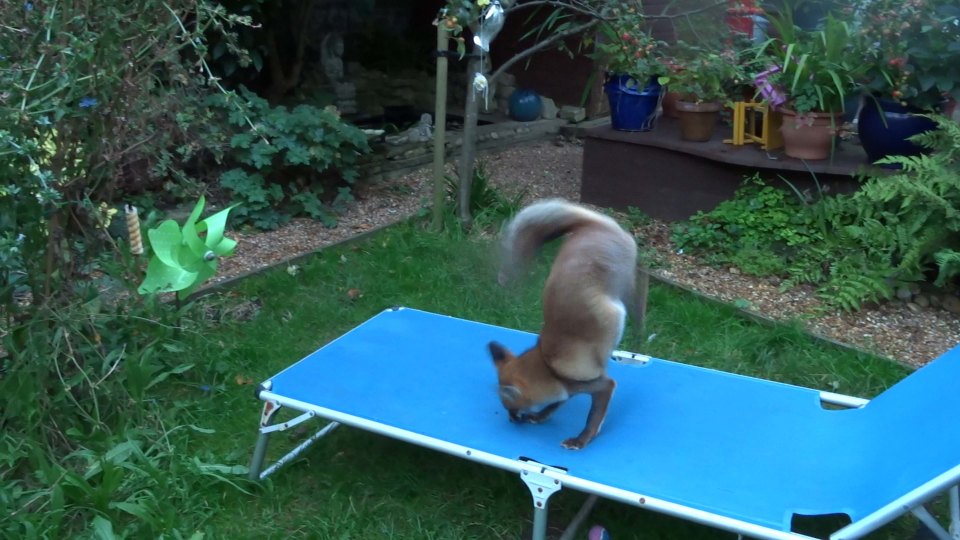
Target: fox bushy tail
x=537, y=224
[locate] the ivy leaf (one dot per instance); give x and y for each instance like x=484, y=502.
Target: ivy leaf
x=261, y=154
x=297, y=155
x=242, y=140
x=927, y=81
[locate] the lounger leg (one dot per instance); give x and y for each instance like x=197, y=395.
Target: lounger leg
x=931, y=522
x=270, y=409
x=541, y=487
x=578, y=518
x=955, y=512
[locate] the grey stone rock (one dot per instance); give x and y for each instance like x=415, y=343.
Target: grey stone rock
x=951, y=303
x=922, y=300
x=573, y=114
x=549, y=110
x=904, y=293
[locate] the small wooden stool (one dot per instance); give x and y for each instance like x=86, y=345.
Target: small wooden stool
x=744, y=126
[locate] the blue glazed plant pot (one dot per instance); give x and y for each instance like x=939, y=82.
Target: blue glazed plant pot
x=525, y=105
x=884, y=127
x=632, y=107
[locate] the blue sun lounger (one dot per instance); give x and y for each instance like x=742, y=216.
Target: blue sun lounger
x=737, y=453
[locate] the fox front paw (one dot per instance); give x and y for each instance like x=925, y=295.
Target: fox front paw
x=574, y=443
x=519, y=418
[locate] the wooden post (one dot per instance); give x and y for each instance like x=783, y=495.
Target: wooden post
x=439, y=126
x=641, y=297
x=469, y=148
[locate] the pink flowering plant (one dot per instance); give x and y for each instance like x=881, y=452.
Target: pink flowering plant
x=814, y=70
x=911, y=48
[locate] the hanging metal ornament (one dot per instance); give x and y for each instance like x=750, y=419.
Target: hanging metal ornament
x=482, y=86
x=491, y=22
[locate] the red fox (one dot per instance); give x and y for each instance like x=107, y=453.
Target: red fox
x=585, y=299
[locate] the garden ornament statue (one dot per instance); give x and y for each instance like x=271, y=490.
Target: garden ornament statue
x=182, y=259
x=421, y=132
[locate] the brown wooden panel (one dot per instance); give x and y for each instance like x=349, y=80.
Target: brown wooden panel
x=671, y=179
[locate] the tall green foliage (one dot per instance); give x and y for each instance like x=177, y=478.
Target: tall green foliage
x=99, y=101
x=298, y=162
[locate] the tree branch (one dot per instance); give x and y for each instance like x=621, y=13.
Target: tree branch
x=687, y=13
x=542, y=45
x=572, y=6
x=586, y=9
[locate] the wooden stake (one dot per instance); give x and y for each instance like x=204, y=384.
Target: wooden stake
x=642, y=294
x=440, y=126
x=469, y=148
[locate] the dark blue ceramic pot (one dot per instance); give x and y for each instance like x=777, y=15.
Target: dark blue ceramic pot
x=632, y=107
x=884, y=127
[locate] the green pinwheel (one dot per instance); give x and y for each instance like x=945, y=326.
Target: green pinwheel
x=183, y=259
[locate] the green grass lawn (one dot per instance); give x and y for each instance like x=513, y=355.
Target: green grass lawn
x=353, y=484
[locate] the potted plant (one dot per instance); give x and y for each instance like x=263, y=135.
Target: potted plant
x=813, y=76
x=704, y=79
x=912, y=52
x=635, y=69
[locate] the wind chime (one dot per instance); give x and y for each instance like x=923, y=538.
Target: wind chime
x=487, y=27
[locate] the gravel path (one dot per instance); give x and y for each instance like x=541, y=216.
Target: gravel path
x=552, y=169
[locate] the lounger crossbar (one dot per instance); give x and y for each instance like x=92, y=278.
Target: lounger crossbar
x=737, y=453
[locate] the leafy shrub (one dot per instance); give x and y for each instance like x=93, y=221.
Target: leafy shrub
x=756, y=229
x=98, y=102
x=896, y=229
x=95, y=103
x=295, y=162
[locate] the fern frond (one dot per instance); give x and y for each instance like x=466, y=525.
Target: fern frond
x=948, y=266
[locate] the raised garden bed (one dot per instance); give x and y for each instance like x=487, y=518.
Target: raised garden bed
x=671, y=179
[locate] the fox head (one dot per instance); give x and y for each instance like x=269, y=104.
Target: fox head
x=525, y=385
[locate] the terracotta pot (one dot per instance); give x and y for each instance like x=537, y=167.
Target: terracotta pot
x=810, y=135
x=670, y=104
x=697, y=120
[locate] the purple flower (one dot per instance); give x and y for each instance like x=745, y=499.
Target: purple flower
x=88, y=102
x=28, y=6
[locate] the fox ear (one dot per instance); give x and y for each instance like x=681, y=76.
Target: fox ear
x=509, y=394
x=499, y=353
